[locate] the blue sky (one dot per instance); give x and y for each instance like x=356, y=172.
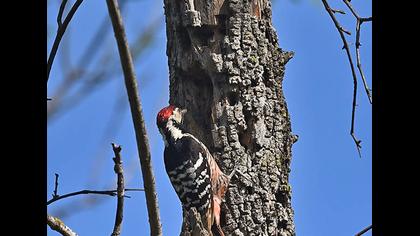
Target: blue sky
x=331, y=185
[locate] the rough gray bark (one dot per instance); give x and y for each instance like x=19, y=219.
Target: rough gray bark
x=226, y=68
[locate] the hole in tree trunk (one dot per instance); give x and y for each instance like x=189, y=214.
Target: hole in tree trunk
x=203, y=34
x=233, y=98
x=249, y=190
x=245, y=139
x=281, y=196
x=282, y=224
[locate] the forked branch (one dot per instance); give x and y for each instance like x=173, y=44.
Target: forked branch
x=359, y=22
x=341, y=31
x=62, y=26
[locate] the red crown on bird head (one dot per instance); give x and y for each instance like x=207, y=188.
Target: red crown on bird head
x=164, y=114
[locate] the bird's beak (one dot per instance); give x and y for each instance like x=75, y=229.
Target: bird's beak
x=183, y=111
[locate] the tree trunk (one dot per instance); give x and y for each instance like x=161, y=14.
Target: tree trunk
x=226, y=68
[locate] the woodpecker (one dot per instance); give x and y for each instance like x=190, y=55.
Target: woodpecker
x=192, y=170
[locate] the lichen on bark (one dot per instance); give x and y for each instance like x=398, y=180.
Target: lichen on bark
x=226, y=68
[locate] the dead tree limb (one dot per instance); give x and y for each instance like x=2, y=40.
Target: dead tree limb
x=60, y=32
x=359, y=23
x=364, y=230
x=137, y=116
x=341, y=31
x=55, y=195
x=59, y=226
x=120, y=189
x=111, y=193
x=60, y=13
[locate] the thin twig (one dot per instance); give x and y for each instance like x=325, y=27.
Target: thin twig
x=353, y=11
x=111, y=193
x=358, y=61
x=364, y=230
x=346, y=47
x=120, y=189
x=338, y=11
x=366, y=19
x=84, y=204
x=58, y=225
x=60, y=13
x=359, y=23
x=60, y=32
x=344, y=30
x=55, y=195
x=137, y=116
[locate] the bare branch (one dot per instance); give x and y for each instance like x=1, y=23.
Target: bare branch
x=97, y=41
x=60, y=13
x=359, y=64
x=364, y=230
x=137, y=115
x=111, y=193
x=120, y=189
x=359, y=22
x=344, y=30
x=351, y=8
x=346, y=47
x=353, y=11
x=338, y=11
x=60, y=32
x=356, y=141
x=55, y=195
x=366, y=19
x=58, y=225
x=85, y=204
